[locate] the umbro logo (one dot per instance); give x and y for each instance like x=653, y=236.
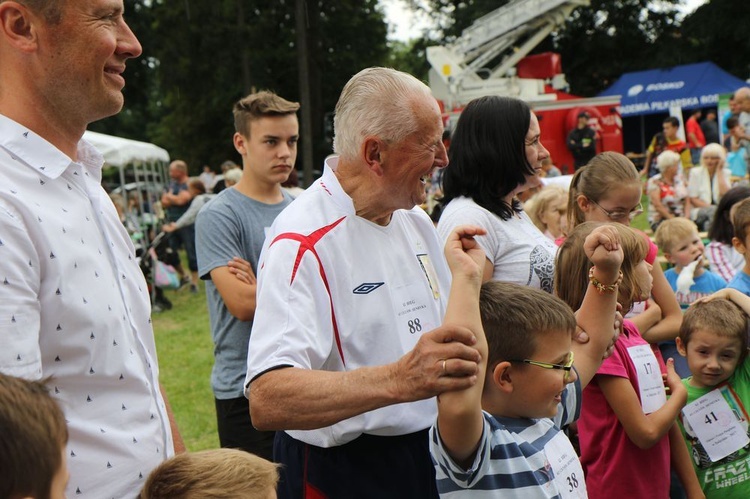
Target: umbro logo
x=367, y=287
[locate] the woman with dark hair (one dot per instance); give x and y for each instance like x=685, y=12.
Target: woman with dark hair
x=496, y=154
x=722, y=258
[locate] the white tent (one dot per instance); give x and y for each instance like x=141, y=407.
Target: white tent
x=140, y=163
x=122, y=152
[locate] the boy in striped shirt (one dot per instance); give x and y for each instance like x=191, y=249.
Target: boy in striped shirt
x=527, y=384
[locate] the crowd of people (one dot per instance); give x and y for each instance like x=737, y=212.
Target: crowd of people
x=361, y=348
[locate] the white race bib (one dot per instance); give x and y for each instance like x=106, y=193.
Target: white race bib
x=715, y=425
x=650, y=383
x=566, y=467
x=413, y=309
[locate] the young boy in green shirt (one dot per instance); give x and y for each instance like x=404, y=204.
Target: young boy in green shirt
x=714, y=423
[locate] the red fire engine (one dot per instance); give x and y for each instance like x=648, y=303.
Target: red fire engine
x=491, y=58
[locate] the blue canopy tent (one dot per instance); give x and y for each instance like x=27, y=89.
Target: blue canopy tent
x=657, y=91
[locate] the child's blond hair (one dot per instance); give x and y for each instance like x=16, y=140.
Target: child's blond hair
x=599, y=177
x=212, y=474
x=673, y=231
x=541, y=201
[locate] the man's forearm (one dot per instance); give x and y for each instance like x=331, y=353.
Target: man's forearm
x=303, y=399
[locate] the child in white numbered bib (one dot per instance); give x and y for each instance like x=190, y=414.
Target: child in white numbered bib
x=627, y=430
x=713, y=338
x=528, y=383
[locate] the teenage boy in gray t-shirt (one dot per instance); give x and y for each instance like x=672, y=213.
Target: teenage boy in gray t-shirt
x=230, y=231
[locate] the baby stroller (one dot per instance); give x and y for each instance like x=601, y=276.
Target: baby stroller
x=157, y=263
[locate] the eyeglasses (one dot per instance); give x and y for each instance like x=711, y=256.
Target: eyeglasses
x=546, y=365
x=617, y=215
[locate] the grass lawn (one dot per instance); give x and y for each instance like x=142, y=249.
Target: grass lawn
x=185, y=350
x=641, y=221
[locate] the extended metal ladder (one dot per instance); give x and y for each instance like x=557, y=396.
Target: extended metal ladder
x=456, y=68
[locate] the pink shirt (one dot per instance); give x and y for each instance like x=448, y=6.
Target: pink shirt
x=653, y=251
x=613, y=464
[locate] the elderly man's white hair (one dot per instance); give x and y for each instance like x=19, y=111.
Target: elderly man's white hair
x=742, y=93
x=376, y=102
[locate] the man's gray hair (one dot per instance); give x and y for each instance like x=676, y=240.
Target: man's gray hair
x=50, y=10
x=376, y=102
x=742, y=93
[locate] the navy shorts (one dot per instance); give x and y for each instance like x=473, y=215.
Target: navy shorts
x=236, y=429
x=368, y=467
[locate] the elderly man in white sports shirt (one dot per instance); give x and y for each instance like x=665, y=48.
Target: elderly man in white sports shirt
x=74, y=306
x=347, y=351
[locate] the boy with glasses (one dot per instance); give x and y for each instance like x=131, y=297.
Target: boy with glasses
x=503, y=434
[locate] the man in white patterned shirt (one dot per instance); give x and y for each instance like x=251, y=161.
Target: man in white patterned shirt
x=74, y=306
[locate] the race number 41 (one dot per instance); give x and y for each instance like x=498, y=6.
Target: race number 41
x=715, y=425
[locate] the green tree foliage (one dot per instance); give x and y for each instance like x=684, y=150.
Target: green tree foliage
x=200, y=57
x=453, y=16
x=411, y=57
x=601, y=42
x=345, y=37
x=597, y=43
x=717, y=32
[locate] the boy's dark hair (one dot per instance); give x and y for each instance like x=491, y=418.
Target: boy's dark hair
x=33, y=434
x=515, y=318
x=260, y=105
x=672, y=121
x=198, y=185
x=488, y=154
x=721, y=229
x=741, y=220
x=719, y=316
x=732, y=122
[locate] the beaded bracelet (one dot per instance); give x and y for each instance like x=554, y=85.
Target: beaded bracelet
x=604, y=288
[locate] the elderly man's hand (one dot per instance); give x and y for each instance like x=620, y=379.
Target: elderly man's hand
x=442, y=360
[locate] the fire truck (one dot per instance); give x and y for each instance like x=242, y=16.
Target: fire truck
x=491, y=57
